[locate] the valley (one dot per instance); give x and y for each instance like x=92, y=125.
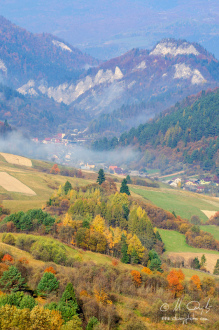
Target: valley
x=109, y=168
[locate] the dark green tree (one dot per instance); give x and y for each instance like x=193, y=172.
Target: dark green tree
x=128, y=179
x=195, y=263
x=155, y=262
x=67, y=306
x=158, y=237
x=47, y=284
x=101, y=176
x=12, y=280
x=124, y=188
x=216, y=268
x=134, y=257
x=124, y=249
x=67, y=187
x=203, y=261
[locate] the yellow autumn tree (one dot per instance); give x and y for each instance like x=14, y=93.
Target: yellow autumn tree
x=140, y=212
x=135, y=244
x=60, y=190
x=99, y=224
x=67, y=221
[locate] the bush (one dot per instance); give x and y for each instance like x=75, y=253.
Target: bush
x=48, y=250
x=8, y=238
x=25, y=242
x=91, y=323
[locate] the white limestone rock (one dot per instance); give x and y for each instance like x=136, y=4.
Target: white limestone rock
x=61, y=45
x=171, y=48
x=183, y=71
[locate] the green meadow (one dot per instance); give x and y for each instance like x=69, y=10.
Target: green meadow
x=183, y=203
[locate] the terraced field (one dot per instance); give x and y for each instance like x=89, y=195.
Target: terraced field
x=41, y=183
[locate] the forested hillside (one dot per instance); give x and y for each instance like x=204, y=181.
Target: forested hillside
x=190, y=129
x=24, y=56
x=28, y=114
x=91, y=256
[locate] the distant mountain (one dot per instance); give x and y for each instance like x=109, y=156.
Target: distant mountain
x=172, y=70
x=25, y=56
x=38, y=117
x=116, y=95
x=187, y=133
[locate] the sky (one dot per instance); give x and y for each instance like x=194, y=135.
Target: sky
x=106, y=29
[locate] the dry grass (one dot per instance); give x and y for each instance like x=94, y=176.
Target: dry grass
x=17, y=160
x=9, y=183
x=211, y=259
x=209, y=213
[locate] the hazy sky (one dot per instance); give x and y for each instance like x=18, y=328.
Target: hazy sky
x=104, y=28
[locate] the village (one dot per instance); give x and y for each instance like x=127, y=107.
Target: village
x=64, y=150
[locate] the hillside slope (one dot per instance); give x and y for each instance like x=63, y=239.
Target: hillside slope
x=186, y=133
x=24, y=56
x=170, y=71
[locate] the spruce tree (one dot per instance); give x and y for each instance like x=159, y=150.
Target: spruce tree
x=216, y=268
x=67, y=187
x=195, y=263
x=124, y=188
x=203, y=261
x=158, y=237
x=101, y=177
x=125, y=257
x=134, y=257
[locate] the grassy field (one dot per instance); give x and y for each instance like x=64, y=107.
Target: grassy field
x=43, y=184
x=176, y=246
x=214, y=230
x=183, y=203
x=176, y=242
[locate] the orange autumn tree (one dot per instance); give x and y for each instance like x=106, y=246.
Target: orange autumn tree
x=174, y=280
x=50, y=270
x=195, y=283
x=146, y=270
x=7, y=258
x=55, y=169
x=136, y=277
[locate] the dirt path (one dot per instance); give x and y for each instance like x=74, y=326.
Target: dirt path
x=166, y=176
x=17, y=160
x=9, y=183
x=211, y=259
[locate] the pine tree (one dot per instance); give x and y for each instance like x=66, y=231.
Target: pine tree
x=134, y=257
x=124, y=188
x=125, y=257
x=203, y=261
x=195, y=263
x=158, y=237
x=216, y=268
x=128, y=179
x=67, y=187
x=101, y=177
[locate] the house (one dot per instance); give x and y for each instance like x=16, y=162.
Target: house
x=175, y=183
x=118, y=170
x=90, y=166
x=112, y=168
